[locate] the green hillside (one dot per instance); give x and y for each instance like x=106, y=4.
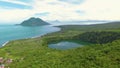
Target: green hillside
x=34, y=53
x=101, y=27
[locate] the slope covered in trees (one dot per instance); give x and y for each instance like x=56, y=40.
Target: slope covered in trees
x=96, y=27
x=34, y=53
x=99, y=37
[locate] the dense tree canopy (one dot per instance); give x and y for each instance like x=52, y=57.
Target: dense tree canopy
x=99, y=37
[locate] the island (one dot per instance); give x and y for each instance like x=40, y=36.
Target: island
x=34, y=22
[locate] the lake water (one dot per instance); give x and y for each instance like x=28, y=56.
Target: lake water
x=64, y=45
x=12, y=32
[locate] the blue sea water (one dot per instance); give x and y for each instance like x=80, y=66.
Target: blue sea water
x=13, y=32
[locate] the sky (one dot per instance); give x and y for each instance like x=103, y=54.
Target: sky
x=63, y=10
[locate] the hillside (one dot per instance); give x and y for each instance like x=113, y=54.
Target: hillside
x=107, y=26
x=34, y=22
x=34, y=53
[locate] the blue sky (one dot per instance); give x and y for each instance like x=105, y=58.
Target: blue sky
x=12, y=5
x=64, y=10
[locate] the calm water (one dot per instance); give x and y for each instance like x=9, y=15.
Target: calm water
x=64, y=45
x=12, y=32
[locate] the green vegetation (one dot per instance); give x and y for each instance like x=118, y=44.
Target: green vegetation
x=99, y=37
x=113, y=26
x=34, y=22
x=34, y=53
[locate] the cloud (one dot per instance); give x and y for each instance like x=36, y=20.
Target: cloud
x=63, y=10
x=14, y=15
x=12, y=11
x=101, y=9
x=16, y=2
x=80, y=12
x=25, y=1
x=60, y=11
x=10, y=4
x=73, y=1
x=89, y=9
x=41, y=14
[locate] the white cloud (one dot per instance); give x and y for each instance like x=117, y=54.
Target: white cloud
x=14, y=15
x=93, y=9
x=73, y=1
x=101, y=9
x=60, y=11
x=16, y=2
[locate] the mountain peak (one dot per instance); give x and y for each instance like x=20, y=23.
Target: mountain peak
x=34, y=22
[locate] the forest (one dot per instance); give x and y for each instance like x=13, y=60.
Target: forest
x=102, y=52
x=99, y=37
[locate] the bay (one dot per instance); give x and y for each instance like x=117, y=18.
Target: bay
x=13, y=32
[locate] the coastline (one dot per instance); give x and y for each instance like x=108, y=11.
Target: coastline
x=5, y=43
x=21, y=39
x=24, y=38
x=37, y=36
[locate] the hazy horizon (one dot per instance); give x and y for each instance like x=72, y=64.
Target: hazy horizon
x=57, y=22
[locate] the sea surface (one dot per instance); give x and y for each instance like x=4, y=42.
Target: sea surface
x=13, y=32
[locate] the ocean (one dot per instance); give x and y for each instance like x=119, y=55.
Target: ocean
x=13, y=32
